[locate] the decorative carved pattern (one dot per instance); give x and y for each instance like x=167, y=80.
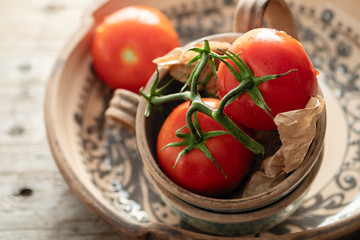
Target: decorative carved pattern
x=110, y=152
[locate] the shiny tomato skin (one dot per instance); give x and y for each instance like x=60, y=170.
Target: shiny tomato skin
x=126, y=42
x=194, y=171
x=268, y=51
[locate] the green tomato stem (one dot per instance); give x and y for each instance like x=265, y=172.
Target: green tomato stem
x=198, y=70
x=238, y=134
x=234, y=93
x=157, y=100
x=228, y=124
x=196, y=134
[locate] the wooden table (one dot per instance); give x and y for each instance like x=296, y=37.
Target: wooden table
x=35, y=201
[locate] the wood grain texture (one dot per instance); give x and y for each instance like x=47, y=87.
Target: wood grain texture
x=35, y=201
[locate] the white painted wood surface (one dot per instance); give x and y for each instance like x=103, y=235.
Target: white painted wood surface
x=35, y=201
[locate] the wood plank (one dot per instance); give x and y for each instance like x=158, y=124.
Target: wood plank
x=39, y=203
x=35, y=201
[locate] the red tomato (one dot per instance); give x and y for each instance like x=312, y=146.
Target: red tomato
x=127, y=41
x=194, y=171
x=268, y=51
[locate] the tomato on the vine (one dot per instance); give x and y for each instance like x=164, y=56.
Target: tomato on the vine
x=126, y=42
x=194, y=170
x=268, y=51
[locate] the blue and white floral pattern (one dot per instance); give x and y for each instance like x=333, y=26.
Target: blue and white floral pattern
x=110, y=152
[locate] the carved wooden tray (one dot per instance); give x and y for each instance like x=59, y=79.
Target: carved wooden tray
x=100, y=162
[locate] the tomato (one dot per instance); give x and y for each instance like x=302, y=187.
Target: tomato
x=268, y=51
x=126, y=42
x=194, y=171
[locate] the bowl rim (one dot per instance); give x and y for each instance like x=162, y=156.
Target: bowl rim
x=217, y=204
x=243, y=217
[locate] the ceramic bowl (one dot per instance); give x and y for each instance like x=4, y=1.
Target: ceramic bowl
x=225, y=216
x=100, y=163
x=148, y=127
x=244, y=223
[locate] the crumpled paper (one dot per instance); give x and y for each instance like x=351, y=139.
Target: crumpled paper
x=296, y=130
x=176, y=60
x=181, y=56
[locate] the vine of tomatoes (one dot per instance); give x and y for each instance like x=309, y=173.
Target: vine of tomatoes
x=205, y=145
x=263, y=73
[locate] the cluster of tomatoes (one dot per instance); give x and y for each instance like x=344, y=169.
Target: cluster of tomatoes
x=123, y=49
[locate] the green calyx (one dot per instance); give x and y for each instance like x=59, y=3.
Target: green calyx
x=191, y=142
x=248, y=83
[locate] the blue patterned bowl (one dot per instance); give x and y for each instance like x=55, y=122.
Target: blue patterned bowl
x=100, y=162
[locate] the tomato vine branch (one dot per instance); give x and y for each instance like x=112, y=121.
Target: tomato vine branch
x=248, y=83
